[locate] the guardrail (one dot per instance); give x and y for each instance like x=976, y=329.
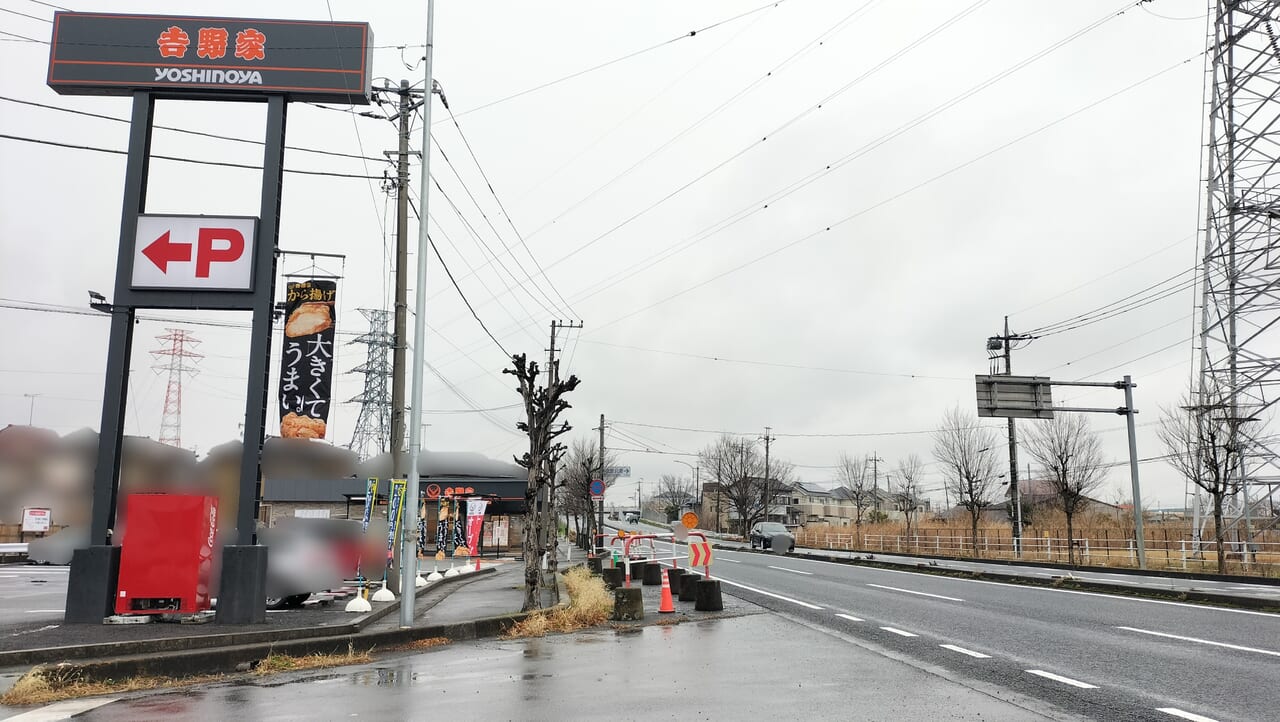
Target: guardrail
x=1263, y=558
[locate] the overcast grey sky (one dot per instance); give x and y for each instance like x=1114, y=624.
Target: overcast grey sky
x=848, y=314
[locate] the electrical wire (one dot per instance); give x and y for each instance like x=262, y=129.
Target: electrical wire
x=458, y=288
x=628, y=56
x=777, y=365
x=506, y=248
x=503, y=208
x=224, y=164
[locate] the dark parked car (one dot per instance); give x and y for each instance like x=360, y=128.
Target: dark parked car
x=762, y=535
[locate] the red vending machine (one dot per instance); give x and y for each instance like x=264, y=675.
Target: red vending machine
x=166, y=556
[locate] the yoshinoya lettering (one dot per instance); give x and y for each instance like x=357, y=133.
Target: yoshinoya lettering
x=209, y=75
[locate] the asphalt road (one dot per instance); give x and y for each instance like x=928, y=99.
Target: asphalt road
x=1261, y=591
x=31, y=596
x=1102, y=656
x=741, y=668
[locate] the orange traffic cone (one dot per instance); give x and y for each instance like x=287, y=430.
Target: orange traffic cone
x=666, y=607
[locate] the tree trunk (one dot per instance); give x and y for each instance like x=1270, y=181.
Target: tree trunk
x=1071, y=541
x=973, y=516
x=1219, y=533
x=529, y=549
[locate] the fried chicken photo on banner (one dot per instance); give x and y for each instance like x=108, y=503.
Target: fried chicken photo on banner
x=307, y=319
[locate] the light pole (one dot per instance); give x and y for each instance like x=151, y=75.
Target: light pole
x=31, y=408
x=696, y=484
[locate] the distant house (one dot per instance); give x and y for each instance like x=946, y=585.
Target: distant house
x=1041, y=494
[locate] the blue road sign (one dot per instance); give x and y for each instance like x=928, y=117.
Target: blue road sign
x=597, y=488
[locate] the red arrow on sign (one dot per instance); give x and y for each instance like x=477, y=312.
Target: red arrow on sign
x=161, y=252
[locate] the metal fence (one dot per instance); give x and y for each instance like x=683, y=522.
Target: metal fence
x=1263, y=558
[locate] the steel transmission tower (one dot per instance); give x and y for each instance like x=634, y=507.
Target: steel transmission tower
x=1240, y=316
x=180, y=360
x=373, y=427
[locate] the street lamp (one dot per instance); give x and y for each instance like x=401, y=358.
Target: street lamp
x=696, y=480
x=31, y=408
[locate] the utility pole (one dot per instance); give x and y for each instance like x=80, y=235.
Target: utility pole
x=875, y=478
x=1005, y=344
x=768, y=439
x=600, y=504
x=400, y=342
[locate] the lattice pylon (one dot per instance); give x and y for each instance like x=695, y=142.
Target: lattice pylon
x=1240, y=268
x=372, y=432
x=178, y=359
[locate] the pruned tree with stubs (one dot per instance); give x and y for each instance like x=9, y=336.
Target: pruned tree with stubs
x=543, y=406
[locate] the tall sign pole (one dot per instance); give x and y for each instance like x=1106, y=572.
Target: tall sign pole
x=408, y=559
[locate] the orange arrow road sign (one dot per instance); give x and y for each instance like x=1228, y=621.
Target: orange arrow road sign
x=700, y=554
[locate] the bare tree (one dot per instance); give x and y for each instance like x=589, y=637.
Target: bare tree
x=737, y=469
x=543, y=405
x=674, y=492
x=858, y=486
x=962, y=447
x=581, y=466
x=1203, y=446
x=906, y=487
x=1070, y=457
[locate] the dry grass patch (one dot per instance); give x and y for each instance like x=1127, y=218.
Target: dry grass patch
x=275, y=663
x=590, y=604
x=43, y=685
x=422, y=644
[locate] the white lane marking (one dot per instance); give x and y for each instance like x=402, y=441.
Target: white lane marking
x=899, y=632
x=62, y=710
x=851, y=618
x=908, y=591
x=1025, y=587
x=1201, y=641
x=793, y=571
x=42, y=611
x=962, y=650
x=731, y=561
x=1060, y=678
x=769, y=594
x=1185, y=715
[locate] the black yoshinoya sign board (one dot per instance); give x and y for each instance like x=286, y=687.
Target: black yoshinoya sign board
x=306, y=360
x=109, y=54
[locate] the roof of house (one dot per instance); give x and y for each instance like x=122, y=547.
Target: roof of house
x=810, y=488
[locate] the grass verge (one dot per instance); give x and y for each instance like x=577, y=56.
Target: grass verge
x=43, y=685
x=275, y=663
x=590, y=604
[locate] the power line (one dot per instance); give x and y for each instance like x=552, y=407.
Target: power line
x=506, y=249
x=187, y=131
x=898, y=195
x=503, y=208
x=777, y=365
x=458, y=288
x=225, y=164
x=628, y=56
x=33, y=17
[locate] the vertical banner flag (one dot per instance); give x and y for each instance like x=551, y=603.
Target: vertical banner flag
x=370, y=498
x=442, y=528
x=459, y=530
x=422, y=529
x=393, y=516
x=475, y=522
x=306, y=363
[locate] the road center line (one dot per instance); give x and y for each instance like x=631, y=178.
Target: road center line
x=909, y=591
x=1052, y=590
x=1201, y=641
x=900, y=632
x=851, y=618
x=769, y=594
x=1185, y=715
x=731, y=561
x=962, y=650
x=1060, y=678
x=793, y=571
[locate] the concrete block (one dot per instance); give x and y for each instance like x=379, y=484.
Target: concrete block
x=689, y=587
x=593, y=564
x=628, y=604
x=707, y=596
x=676, y=577
x=652, y=574
x=613, y=578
